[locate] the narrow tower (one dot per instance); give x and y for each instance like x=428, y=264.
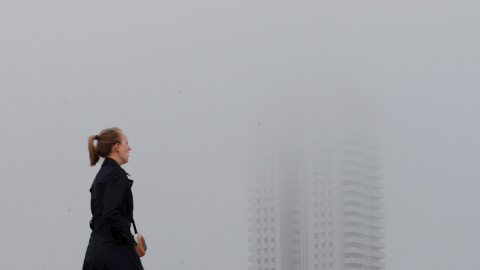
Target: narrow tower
x=316, y=198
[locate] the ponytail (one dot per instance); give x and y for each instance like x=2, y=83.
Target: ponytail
x=92, y=151
x=105, y=141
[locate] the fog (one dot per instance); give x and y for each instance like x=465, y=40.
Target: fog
x=194, y=83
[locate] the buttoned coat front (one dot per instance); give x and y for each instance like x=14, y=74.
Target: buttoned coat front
x=111, y=245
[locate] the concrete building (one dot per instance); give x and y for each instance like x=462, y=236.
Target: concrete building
x=316, y=198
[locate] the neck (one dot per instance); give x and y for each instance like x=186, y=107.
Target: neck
x=116, y=158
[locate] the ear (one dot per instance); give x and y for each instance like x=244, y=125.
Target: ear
x=116, y=147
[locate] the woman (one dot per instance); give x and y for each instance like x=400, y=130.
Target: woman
x=111, y=245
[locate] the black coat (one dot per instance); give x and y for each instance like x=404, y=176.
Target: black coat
x=111, y=245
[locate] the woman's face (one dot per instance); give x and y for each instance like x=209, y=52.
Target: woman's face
x=123, y=149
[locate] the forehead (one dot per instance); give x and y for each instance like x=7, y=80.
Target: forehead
x=123, y=137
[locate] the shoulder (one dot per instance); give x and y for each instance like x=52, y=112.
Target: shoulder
x=118, y=173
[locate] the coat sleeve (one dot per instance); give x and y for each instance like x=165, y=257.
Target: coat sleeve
x=112, y=208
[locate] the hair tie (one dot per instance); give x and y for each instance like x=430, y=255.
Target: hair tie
x=96, y=137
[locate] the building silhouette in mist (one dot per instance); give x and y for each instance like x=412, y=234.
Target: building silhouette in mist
x=315, y=200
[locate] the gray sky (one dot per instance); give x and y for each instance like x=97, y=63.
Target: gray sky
x=192, y=82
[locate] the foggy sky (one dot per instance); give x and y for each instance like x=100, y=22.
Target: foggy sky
x=192, y=83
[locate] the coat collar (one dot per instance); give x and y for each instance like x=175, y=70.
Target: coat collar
x=110, y=161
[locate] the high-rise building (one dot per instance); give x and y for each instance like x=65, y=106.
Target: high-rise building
x=316, y=200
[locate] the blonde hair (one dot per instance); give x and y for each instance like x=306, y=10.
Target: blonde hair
x=105, y=140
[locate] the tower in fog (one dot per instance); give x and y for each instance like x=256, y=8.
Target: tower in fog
x=316, y=196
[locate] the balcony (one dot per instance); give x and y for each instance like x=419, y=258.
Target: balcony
x=363, y=262
x=378, y=264
x=365, y=182
x=378, y=244
x=366, y=232
x=356, y=251
x=368, y=202
x=356, y=240
x=376, y=194
x=367, y=161
x=364, y=242
x=355, y=261
x=358, y=171
x=357, y=189
x=362, y=180
x=370, y=223
x=377, y=234
x=365, y=191
x=378, y=254
x=361, y=251
x=378, y=214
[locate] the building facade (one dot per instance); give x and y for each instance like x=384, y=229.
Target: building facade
x=316, y=200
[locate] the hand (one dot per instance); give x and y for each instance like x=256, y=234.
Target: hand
x=139, y=247
x=138, y=238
